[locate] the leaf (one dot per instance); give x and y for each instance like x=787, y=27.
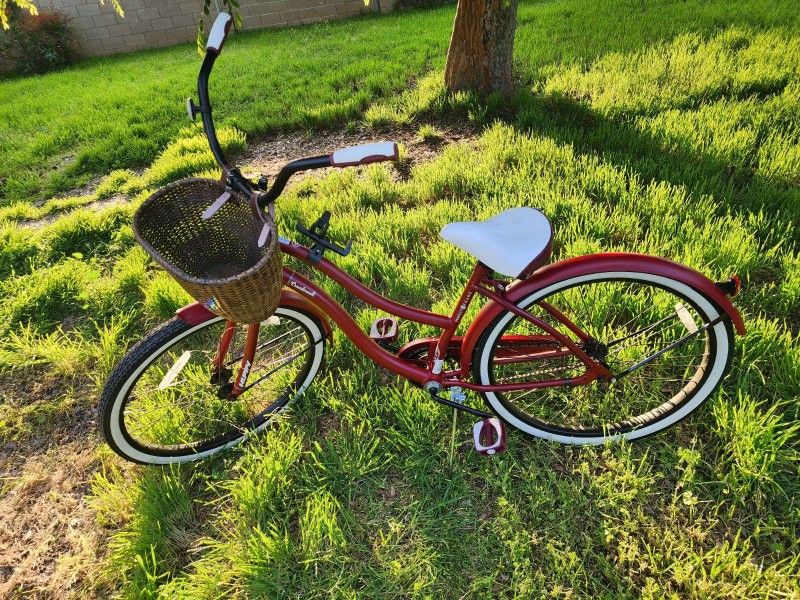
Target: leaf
x=201, y=37
x=23, y=4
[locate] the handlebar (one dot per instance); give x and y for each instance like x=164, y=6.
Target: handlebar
x=205, y=109
x=345, y=157
x=216, y=39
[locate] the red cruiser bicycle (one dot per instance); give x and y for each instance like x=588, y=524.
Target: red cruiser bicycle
x=582, y=351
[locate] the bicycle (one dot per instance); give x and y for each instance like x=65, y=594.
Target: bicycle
x=587, y=350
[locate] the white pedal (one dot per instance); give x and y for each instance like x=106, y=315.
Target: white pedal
x=489, y=436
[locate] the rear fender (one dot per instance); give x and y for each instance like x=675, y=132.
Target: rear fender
x=597, y=263
x=196, y=313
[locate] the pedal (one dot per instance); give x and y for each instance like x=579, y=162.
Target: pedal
x=384, y=331
x=489, y=436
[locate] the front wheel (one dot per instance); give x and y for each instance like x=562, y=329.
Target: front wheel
x=667, y=345
x=169, y=401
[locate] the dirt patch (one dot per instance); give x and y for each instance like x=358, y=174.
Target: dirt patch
x=49, y=542
x=97, y=205
x=268, y=155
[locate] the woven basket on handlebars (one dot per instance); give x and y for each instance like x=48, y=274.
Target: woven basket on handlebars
x=218, y=261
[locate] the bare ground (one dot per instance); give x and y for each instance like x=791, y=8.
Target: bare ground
x=49, y=541
x=269, y=154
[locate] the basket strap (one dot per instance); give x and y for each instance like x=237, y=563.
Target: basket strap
x=258, y=213
x=212, y=209
x=255, y=208
x=216, y=205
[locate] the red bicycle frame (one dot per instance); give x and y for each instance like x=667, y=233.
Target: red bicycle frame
x=303, y=294
x=480, y=282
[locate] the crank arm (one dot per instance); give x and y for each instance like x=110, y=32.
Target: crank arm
x=457, y=406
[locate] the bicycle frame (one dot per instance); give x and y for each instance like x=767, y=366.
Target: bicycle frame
x=301, y=293
x=480, y=282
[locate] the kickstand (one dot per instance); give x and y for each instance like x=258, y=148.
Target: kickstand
x=453, y=437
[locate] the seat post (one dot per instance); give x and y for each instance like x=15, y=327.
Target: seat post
x=479, y=272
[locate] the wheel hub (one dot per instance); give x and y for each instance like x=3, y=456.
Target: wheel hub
x=596, y=350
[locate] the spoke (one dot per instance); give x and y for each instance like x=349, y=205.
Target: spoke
x=680, y=342
x=574, y=312
x=286, y=362
x=608, y=312
x=239, y=356
x=526, y=393
x=151, y=424
x=632, y=321
x=641, y=331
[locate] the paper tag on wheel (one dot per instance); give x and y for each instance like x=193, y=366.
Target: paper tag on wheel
x=686, y=317
x=175, y=370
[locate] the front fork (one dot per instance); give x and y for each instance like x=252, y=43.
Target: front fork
x=220, y=373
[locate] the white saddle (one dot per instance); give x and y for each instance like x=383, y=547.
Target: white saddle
x=514, y=242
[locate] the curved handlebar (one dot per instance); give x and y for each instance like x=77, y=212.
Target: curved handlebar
x=355, y=155
x=216, y=39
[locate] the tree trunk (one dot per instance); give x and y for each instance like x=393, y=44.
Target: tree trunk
x=482, y=46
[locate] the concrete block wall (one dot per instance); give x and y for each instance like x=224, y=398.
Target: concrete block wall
x=158, y=23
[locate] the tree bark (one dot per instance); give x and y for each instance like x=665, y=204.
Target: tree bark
x=482, y=46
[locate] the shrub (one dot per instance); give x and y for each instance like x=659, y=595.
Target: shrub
x=401, y=4
x=37, y=43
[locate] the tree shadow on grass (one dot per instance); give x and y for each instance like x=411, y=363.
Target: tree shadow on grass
x=737, y=188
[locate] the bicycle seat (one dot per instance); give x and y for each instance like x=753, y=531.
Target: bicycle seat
x=514, y=242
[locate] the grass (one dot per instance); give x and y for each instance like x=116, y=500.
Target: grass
x=678, y=136
x=276, y=79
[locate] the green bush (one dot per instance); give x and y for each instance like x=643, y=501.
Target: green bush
x=37, y=43
x=401, y=4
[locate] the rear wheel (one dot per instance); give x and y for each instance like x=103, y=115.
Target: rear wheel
x=165, y=402
x=665, y=343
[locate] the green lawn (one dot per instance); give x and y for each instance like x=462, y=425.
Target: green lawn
x=671, y=128
x=120, y=112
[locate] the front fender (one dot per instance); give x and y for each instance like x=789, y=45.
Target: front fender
x=196, y=313
x=598, y=263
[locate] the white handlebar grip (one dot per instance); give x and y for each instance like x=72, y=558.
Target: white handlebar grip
x=365, y=154
x=219, y=30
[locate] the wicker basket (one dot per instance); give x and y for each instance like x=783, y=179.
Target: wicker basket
x=218, y=260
